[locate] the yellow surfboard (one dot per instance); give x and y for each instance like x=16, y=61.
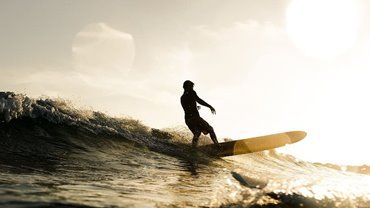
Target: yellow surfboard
x=254, y=144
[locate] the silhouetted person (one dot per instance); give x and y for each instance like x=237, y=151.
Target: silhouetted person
x=196, y=124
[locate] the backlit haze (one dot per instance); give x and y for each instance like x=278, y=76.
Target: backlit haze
x=267, y=66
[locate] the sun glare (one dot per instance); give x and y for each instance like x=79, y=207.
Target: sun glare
x=322, y=28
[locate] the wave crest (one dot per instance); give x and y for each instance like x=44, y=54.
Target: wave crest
x=17, y=106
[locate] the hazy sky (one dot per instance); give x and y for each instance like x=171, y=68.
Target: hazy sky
x=267, y=66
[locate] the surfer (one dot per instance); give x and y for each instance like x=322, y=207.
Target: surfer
x=196, y=124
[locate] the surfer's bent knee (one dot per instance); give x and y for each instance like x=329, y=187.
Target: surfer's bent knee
x=195, y=138
x=196, y=134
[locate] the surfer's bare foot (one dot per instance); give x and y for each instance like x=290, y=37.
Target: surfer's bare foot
x=227, y=139
x=218, y=146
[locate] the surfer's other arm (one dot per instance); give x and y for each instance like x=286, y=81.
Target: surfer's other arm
x=202, y=102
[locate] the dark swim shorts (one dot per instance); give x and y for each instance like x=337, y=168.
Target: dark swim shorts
x=197, y=124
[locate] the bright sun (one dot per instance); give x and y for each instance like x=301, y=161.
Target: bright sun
x=322, y=28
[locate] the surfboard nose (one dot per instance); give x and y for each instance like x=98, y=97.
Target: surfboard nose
x=296, y=136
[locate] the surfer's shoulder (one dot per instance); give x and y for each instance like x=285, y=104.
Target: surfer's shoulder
x=193, y=92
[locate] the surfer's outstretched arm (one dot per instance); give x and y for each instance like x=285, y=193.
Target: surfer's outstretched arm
x=202, y=102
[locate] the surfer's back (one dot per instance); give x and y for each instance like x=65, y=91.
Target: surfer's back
x=188, y=102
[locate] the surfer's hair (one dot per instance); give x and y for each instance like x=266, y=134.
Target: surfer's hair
x=187, y=84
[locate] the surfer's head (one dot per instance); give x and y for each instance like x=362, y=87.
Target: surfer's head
x=188, y=85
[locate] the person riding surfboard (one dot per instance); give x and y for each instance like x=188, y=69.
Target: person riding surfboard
x=196, y=124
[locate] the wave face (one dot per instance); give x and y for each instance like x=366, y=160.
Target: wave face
x=52, y=154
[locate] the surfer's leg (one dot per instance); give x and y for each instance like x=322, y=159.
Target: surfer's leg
x=195, y=138
x=213, y=135
x=206, y=128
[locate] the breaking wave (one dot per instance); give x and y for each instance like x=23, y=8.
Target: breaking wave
x=52, y=136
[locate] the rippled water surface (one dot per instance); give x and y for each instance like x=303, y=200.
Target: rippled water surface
x=54, y=155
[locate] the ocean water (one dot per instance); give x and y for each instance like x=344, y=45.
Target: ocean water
x=54, y=155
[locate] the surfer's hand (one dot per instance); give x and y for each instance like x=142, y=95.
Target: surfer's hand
x=213, y=110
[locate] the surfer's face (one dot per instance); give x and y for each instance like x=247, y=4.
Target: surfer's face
x=189, y=87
